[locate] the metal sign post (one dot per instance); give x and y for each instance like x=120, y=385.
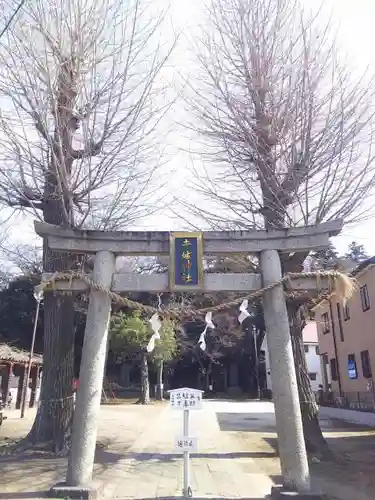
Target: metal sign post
x=187, y=489
x=186, y=399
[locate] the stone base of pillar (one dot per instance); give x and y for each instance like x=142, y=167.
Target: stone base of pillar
x=94, y=491
x=282, y=493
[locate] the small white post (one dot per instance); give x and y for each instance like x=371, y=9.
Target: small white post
x=292, y=449
x=87, y=408
x=186, y=491
x=186, y=399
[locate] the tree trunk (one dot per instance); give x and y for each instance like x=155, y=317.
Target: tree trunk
x=54, y=417
x=125, y=374
x=145, y=384
x=208, y=377
x=55, y=412
x=314, y=439
x=160, y=385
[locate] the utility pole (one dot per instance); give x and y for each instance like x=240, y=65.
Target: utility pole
x=38, y=294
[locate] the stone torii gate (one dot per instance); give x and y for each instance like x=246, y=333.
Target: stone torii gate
x=266, y=244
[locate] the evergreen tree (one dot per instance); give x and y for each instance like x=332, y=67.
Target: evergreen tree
x=356, y=252
x=129, y=336
x=327, y=258
x=165, y=350
x=17, y=312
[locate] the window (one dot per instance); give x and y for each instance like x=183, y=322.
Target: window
x=325, y=320
x=346, y=312
x=340, y=322
x=366, y=365
x=352, y=367
x=306, y=347
x=365, y=300
x=334, y=371
x=312, y=376
x=317, y=350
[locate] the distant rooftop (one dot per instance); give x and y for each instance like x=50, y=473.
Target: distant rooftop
x=14, y=355
x=362, y=265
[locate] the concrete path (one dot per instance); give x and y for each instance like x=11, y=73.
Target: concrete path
x=137, y=459
x=220, y=469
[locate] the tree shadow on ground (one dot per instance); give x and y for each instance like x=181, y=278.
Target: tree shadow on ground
x=109, y=458
x=29, y=495
x=24, y=495
x=351, y=474
x=355, y=468
x=246, y=422
x=34, y=472
x=265, y=423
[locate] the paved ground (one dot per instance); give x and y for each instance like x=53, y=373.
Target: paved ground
x=236, y=453
x=137, y=458
x=120, y=427
x=221, y=468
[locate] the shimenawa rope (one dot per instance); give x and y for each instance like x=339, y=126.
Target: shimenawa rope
x=338, y=283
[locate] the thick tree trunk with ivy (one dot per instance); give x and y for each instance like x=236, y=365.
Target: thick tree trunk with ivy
x=54, y=418
x=314, y=439
x=55, y=411
x=145, y=383
x=160, y=383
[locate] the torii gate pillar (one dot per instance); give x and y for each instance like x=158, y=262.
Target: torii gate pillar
x=292, y=449
x=86, y=414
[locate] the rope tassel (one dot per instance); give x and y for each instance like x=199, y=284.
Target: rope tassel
x=155, y=325
x=209, y=324
x=244, y=313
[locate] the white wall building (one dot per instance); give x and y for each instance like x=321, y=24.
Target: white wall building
x=310, y=341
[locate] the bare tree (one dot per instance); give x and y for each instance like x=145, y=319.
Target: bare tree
x=287, y=134
x=82, y=97
x=22, y=258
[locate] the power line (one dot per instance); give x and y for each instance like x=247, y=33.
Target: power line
x=19, y=7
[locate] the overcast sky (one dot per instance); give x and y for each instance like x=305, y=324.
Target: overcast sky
x=355, y=21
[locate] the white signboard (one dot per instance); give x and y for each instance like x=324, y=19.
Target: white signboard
x=186, y=444
x=185, y=399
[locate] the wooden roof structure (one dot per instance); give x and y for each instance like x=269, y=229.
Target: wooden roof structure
x=14, y=355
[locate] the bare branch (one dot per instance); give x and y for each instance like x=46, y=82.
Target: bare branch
x=83, y=98
x=286, y=128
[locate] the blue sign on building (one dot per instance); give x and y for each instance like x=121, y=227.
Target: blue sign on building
x=186, y=261
x=352, y=369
